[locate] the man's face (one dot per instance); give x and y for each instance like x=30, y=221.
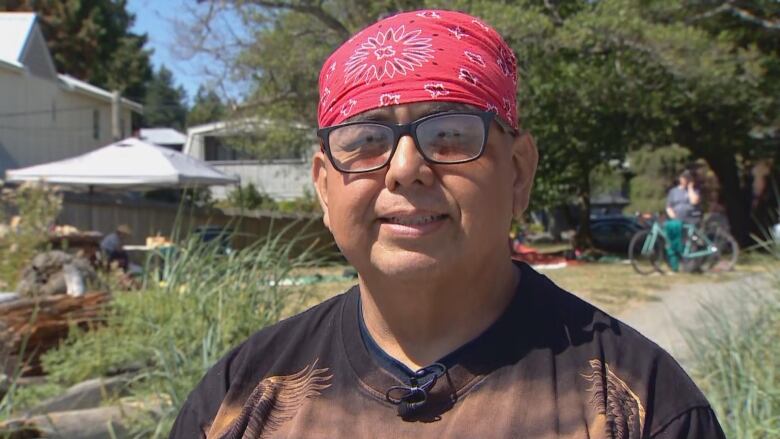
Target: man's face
x=412, y=218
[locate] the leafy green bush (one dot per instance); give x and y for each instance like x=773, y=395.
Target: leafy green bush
x=170, y=333
x=249, y=197
x=736, y=356
x=37, y=206
x=308, y=203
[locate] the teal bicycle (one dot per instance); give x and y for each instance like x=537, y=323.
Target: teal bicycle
x=710, y=248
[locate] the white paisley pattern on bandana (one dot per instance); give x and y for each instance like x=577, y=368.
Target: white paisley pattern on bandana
x=389, y=99
x=419, y=56
x=389, y=52
x=428, y=14
x=475, y=58
x=436, y=89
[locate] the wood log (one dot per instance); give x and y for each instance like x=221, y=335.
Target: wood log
x=43, y=322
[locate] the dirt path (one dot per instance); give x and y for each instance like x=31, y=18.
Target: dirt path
x=680, y=307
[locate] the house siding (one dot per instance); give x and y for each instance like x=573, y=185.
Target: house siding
x=279, y=179
x=42, y=121
x=36, y=57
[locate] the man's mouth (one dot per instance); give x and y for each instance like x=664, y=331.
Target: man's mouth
x=413, y=220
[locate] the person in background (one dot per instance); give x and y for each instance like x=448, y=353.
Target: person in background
x=682, y=206
x=112, y=246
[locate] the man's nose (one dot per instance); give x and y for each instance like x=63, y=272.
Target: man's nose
x=408, y=166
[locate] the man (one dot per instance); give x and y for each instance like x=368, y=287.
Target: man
x=682, y=204
x=422, y=168
x=111, y=246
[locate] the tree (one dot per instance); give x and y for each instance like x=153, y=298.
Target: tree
x=280, y=62
x=164, y=103
x=719, y=117
x=207, y=108
x=598, y=79
x=655, y=171
x=91, y=40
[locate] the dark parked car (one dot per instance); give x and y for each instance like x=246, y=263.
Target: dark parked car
x=613, y=233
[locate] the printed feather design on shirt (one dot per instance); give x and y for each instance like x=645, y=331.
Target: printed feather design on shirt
x=622, y=408
x=276, y=400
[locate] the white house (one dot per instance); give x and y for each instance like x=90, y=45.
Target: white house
x=282, y=179
x=46, y=116
x=167, y=137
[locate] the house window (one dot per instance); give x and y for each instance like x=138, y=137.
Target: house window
x=96, y=124
x=216, y=150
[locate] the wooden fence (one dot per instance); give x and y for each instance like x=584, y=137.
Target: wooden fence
x=147, y=218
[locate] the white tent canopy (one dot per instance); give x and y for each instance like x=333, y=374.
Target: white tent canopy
x=130, y=164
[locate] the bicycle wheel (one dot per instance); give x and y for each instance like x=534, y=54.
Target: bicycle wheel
x=727, y=251
x=646, y=260
x=696, y=243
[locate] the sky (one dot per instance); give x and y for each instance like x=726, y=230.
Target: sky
x=156, y=18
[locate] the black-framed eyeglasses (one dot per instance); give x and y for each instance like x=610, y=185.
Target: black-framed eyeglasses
x=441, y=138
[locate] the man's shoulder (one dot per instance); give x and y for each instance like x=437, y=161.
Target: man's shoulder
x=278, y=346
x=585, y=325
x=600, y=345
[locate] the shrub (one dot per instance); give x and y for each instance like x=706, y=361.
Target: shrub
x=169, y=334
x=736, y=353
x=37, y=206
x=249, y=197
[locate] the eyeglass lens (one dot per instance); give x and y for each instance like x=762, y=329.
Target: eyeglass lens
x=442, y=139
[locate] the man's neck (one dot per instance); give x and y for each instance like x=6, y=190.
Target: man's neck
x=419, y=323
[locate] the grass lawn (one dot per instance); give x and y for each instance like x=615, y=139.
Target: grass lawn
x=613, y=287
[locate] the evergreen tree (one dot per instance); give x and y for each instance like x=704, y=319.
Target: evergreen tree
x=206, y=108
x=164, y=103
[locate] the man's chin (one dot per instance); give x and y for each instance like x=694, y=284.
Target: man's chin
x=411, y=265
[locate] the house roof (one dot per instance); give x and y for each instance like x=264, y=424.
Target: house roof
x=162, y=136
x=78, y=85
x=15, y=30
x=226, y=126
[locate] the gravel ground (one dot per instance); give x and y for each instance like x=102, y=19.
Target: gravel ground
x=680, y=307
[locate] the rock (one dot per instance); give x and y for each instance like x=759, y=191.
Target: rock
x=90, y=423
x=77, y=424
x=88, y=394
x=44, y=276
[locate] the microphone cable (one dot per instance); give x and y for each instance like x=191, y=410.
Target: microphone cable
x=411, y=398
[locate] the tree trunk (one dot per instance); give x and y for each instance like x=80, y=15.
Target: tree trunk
x=732, y=194
x=583, y=239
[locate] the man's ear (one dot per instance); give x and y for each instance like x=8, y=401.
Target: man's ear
x=319, y=174
x=525, y=158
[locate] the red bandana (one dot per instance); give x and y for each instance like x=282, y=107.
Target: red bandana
x=420, y=56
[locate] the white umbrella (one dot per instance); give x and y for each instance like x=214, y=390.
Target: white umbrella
x=130, y=164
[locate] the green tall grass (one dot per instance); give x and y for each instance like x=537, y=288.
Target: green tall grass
x=168, y=335
x=736, y=353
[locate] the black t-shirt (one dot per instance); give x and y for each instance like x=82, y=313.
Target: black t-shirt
x=552, y=366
